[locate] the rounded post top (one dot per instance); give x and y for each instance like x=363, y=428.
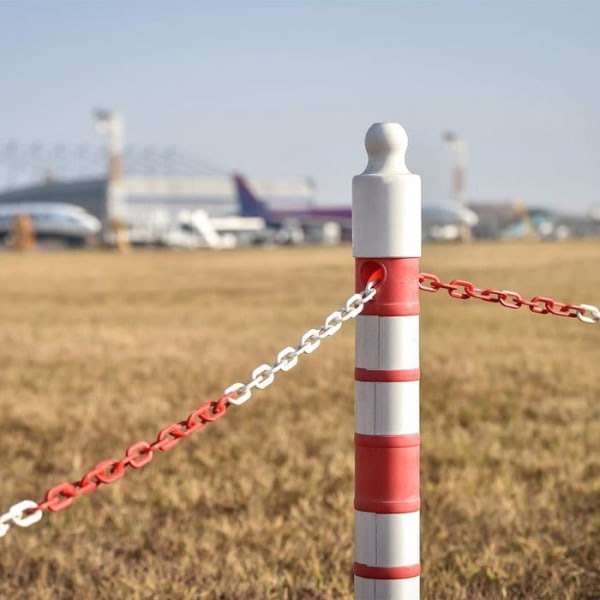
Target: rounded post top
x=386, y=145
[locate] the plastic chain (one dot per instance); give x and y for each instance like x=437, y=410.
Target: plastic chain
x=60, y=496
x=264, y=375
x=463, y=290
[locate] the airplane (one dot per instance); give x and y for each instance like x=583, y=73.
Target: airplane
x=447, y=224
x=292, y=226
x=69, y=223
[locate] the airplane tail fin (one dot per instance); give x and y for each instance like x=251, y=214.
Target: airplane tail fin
x=249, y=204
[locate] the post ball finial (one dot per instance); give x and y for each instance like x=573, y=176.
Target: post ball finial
x=386, y=145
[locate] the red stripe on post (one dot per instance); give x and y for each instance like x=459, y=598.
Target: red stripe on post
x=386, y=572
x=387, y=375
x=397, y=287
x=387, y=441
x=387, y=473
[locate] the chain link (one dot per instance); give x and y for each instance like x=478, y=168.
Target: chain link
x=590, y=314
x=18, y=514
x=61, y=496
x=463, y=290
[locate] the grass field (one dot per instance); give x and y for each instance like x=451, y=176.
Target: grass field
x=98, y=351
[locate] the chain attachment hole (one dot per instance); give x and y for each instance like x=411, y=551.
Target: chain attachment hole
x=374, y=273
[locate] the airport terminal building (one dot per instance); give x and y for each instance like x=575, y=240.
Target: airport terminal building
x=150, y=205
x=145, y=204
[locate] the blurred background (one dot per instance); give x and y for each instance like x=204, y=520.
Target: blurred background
x=141, y=114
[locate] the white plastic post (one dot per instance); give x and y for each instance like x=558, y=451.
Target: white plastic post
x=386, y=233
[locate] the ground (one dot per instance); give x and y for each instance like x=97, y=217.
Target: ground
x=100, y=350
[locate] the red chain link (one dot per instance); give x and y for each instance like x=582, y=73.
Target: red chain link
x=136, y=456
x=464, y=290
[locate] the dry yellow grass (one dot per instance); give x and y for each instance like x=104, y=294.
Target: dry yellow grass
x=99, y=351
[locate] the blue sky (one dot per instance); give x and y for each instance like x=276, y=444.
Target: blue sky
x=289, y=88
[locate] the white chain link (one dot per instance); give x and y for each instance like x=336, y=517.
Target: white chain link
x=16, y=515
x=590, y=314
x=287, y=359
